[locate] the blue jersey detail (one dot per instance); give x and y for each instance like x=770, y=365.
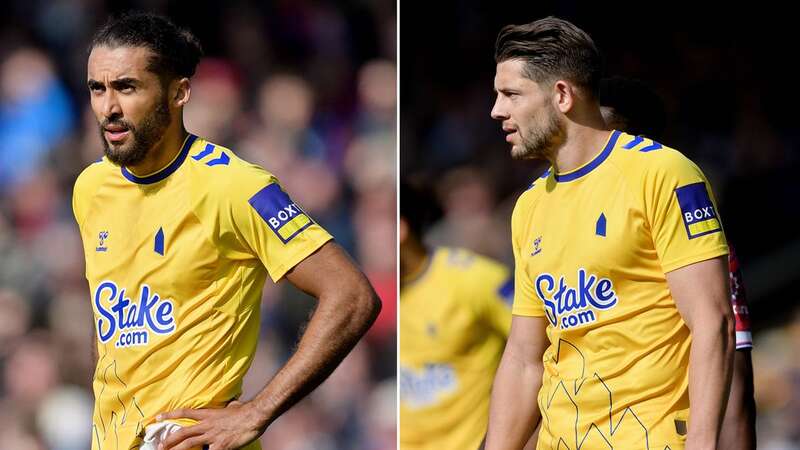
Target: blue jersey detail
x=206, y=151
x=506, y=291
x=592, y=164
x=600, y=227
x=222, y=160
x=654, y=146
x=159, y=242
x=167, y=171
x=636, y=141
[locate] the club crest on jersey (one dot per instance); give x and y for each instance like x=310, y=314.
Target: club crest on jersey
x=283, y=216
x=570, y=307
x=134, y=320
x=102, y=236
x=697, y=210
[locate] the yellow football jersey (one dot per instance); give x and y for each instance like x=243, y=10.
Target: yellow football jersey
x=454, y=321
x=591, y=249
x=176, y=262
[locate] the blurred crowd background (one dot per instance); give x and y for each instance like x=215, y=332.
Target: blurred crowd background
x=730, y=107
x=307, y=89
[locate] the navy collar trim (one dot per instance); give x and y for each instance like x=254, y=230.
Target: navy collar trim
x=165, y=172
x=574, y=175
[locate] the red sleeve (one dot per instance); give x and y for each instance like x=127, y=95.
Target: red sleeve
x=741, y=311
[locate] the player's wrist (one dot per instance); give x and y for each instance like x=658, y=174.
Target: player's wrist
x=705, y=442
x=259, y=413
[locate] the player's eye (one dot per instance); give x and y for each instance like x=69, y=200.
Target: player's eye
x=127, y=89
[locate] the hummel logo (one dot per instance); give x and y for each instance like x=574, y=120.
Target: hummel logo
x=537, y=246
x=102, y=236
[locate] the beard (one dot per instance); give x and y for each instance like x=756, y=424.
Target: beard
x=540, y=142
x=142, y=136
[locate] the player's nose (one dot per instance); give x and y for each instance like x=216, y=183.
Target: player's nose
x=111, y=106
x=499, y=112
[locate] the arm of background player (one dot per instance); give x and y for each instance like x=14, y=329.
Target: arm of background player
x=519, y=376
x=739, y=426
x=347, y=307
x=701, y=294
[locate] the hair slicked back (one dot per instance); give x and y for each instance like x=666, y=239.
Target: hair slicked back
x=552, y=49
x=176, y=52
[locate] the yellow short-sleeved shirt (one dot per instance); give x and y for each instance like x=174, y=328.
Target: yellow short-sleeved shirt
x=454, y=321
x=591, y=248
x=176, y=262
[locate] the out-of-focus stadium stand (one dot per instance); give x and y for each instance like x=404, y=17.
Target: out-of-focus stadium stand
x=730, y=107
x=306, y=89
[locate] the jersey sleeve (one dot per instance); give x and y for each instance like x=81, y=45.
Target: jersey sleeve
x=525, y=301
x=272, y=226
x=496, y=295
x=681, y=211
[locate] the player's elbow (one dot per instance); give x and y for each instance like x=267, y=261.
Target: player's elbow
x=365, y=305
x=728, y=328
x=715, y=326
x=371, y=305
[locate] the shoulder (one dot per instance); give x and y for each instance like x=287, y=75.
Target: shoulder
x=467, y=263
x=93, y=175
x=533, y=191
x=218, y=169
x=526, y=202
x=638, y=155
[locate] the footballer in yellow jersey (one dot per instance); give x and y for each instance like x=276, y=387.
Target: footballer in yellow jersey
x=621, y=312
x=179, y=236
x=455, y=313
x=454, y=321
x=563, y=274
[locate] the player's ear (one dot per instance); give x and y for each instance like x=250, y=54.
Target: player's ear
x=182, y=90
x=564, y=94
x=402, y=230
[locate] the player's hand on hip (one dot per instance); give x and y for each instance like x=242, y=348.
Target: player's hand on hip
x=229, y=428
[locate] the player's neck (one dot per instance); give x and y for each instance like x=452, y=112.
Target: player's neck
x=414, y=258
x=580, y=146
x=162, y=153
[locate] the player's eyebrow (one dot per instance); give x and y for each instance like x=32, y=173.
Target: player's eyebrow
x=119, y=83
x=124, y=82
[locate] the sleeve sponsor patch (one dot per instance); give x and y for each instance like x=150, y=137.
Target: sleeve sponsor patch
x=697, y=211
x=281, y=214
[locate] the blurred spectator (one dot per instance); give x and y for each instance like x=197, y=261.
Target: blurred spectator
x=35, y=111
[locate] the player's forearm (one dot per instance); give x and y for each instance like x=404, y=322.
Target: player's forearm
x=710, y=369
x=738, y=426
x=513, y=412
x=340, y=320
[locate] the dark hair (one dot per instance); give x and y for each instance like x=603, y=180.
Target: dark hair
x=552, y=48
x=176, y=52
x=635, y=105
x=417, y=207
